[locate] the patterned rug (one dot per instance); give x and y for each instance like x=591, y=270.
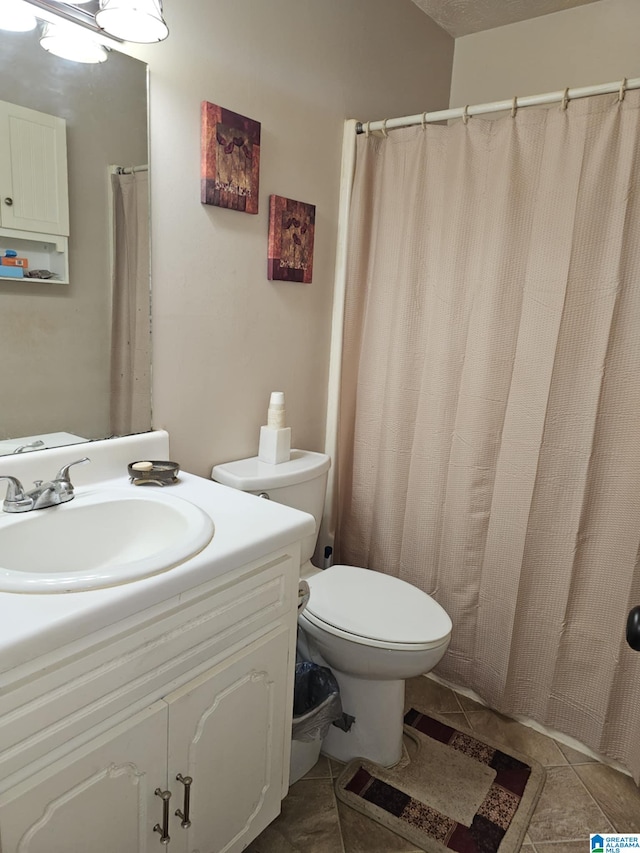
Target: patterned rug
x=452, y=792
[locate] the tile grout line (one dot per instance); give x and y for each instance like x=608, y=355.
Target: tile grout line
x=600, y=809
x=591, y=797
x=335, y=806
x=464, y=713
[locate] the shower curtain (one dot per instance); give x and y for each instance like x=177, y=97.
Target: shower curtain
x=489, y=436
x=130, y=321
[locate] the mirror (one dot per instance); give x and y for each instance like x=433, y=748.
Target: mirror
x=55, y=339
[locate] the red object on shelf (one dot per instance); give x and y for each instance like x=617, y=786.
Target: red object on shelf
x=15, y=262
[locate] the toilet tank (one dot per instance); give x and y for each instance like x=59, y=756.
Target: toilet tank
x=299, y=483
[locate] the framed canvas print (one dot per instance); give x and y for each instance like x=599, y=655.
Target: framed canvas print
x=291, y=235
x=229, y=159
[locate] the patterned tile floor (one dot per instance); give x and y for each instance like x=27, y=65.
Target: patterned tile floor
x=580, y=795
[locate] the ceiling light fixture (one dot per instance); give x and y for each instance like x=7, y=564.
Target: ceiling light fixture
x=70, y=42
x=133, y=20
x=16, y=16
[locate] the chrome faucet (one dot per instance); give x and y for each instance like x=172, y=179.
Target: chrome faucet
x=42, y=495
x=33, y=445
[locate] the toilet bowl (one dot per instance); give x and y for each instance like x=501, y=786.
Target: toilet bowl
x=371, y=629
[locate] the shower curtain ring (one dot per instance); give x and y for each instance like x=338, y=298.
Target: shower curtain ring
x=384, y=128
x=565, y=99
x=514, y=106
x=623, y=90
x=465, y=114
x=424, y=121
x=367, y=129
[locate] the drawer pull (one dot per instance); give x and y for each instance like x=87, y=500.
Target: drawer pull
x=164, y=829
x=184, y=816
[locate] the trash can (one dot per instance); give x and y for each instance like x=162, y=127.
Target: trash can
x=316, y=705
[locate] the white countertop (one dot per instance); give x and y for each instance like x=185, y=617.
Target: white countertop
x=48, y=439
x=246, y=528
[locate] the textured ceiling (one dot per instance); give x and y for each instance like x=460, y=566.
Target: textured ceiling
x=462, y=17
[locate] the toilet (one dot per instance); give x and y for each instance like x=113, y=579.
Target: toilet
x=372, y=630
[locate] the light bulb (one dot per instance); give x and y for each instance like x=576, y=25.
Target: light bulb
x=133, y=20
x=16, y=16
x=70, y=42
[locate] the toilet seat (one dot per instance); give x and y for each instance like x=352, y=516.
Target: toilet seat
x=376, y=610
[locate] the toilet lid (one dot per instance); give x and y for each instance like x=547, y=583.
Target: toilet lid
x=377, y=608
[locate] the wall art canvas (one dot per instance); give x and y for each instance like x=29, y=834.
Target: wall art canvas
x=291, y=234
x=229, y=159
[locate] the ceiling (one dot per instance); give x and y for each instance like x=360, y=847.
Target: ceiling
x=462, y=17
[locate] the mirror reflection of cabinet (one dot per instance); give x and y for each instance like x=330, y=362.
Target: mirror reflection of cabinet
x=34, y=195
x=33, y=171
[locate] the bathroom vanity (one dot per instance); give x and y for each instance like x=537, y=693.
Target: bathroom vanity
x=154, y=714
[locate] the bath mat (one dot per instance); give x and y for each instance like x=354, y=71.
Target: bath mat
x=456, y=792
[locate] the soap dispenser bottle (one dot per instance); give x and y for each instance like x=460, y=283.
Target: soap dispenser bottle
x=275, y=437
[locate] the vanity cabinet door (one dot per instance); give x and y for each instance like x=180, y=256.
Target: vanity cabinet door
x=34, y=193
x=98, y=799
x=226, y=731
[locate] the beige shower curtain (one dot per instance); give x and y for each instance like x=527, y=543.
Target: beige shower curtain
x=489, y=446
x=130, y=326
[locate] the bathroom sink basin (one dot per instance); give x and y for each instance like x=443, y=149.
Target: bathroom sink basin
x=103, y=537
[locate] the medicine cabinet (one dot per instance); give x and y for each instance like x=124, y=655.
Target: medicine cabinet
x=34, y=195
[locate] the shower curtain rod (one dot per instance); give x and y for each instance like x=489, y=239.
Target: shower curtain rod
x=498, y=106
x=130, y=170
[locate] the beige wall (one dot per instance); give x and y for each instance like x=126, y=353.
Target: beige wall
x=223, y=335
x=597, y=43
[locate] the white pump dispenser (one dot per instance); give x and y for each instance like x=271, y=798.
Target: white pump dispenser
x=275, y=438
x=276, y=412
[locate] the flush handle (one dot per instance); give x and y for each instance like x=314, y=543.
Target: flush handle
x=165, y=796
x=264, y=495
x=184, y=815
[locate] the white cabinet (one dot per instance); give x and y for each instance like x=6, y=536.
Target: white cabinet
x=33, y=171
x=34, y=193
x=227, y=727
x=99, y=799
x=226, y=733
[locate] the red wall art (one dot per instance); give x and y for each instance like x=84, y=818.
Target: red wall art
x=291, y=233
x=229, y=159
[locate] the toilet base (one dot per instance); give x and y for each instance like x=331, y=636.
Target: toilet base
x=376, y=734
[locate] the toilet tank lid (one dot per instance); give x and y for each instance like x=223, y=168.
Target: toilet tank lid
x=253, y=475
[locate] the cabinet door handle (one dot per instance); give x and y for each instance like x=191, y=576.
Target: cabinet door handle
x=164, y=829
x=184, y=816
x=8, y=201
